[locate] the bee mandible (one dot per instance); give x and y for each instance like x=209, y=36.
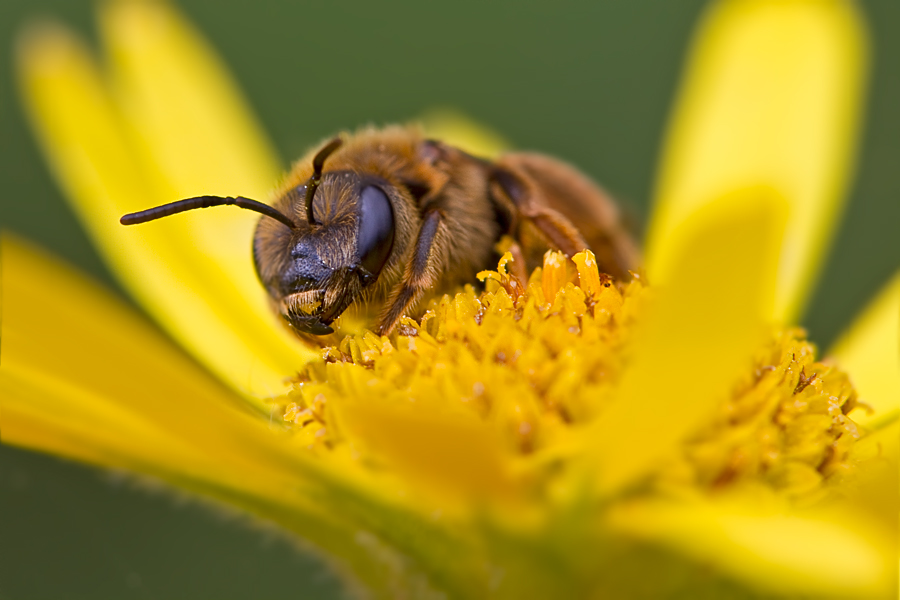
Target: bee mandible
x=383, y=216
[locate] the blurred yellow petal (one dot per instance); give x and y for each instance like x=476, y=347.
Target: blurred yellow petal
x=771, y=97
x=456, y=129
x=454, y=458
x=84, y=377
x=875, y=489
x=870, y=351
x=80, y=362
x=820, y=556
x=187, y=112
x=697, y=337
x=204, y=293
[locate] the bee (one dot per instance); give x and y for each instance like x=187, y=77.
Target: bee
x=385, y=215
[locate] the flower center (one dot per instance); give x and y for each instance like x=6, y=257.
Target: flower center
x=786, y=425
x=536, y=361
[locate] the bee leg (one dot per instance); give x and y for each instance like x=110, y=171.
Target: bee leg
x=421, y=272
x=552, y=197
x=517, y=267
x=518, y=192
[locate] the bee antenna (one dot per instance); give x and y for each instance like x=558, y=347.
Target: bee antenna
x=158, y=212
x=316, y=179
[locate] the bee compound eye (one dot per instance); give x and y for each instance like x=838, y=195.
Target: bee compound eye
x=376, y=229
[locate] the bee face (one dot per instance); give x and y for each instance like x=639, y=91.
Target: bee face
x=314, y=272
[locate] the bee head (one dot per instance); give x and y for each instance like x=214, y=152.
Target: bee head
x=314, y=252
x=343, y=238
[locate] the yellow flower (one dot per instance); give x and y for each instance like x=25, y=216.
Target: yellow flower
x=568, y=437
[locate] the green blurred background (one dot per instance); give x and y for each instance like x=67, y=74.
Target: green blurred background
x=590, y=82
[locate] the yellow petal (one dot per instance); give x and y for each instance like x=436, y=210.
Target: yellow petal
x=458, y=130
x=204, y=294
x=697, y=336
x=870, y=351
x=814, y=555
x=83, y=376
x=187, y=112
x=771, y=97
x=80, y=361
x=449, y=457
x=86, y=378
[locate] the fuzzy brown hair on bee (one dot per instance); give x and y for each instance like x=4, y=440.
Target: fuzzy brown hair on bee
x=383, y=216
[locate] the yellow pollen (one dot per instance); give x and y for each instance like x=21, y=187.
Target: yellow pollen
x=302, y=302
x=535, y=361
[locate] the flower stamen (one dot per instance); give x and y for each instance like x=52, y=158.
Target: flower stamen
x=535, y=363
